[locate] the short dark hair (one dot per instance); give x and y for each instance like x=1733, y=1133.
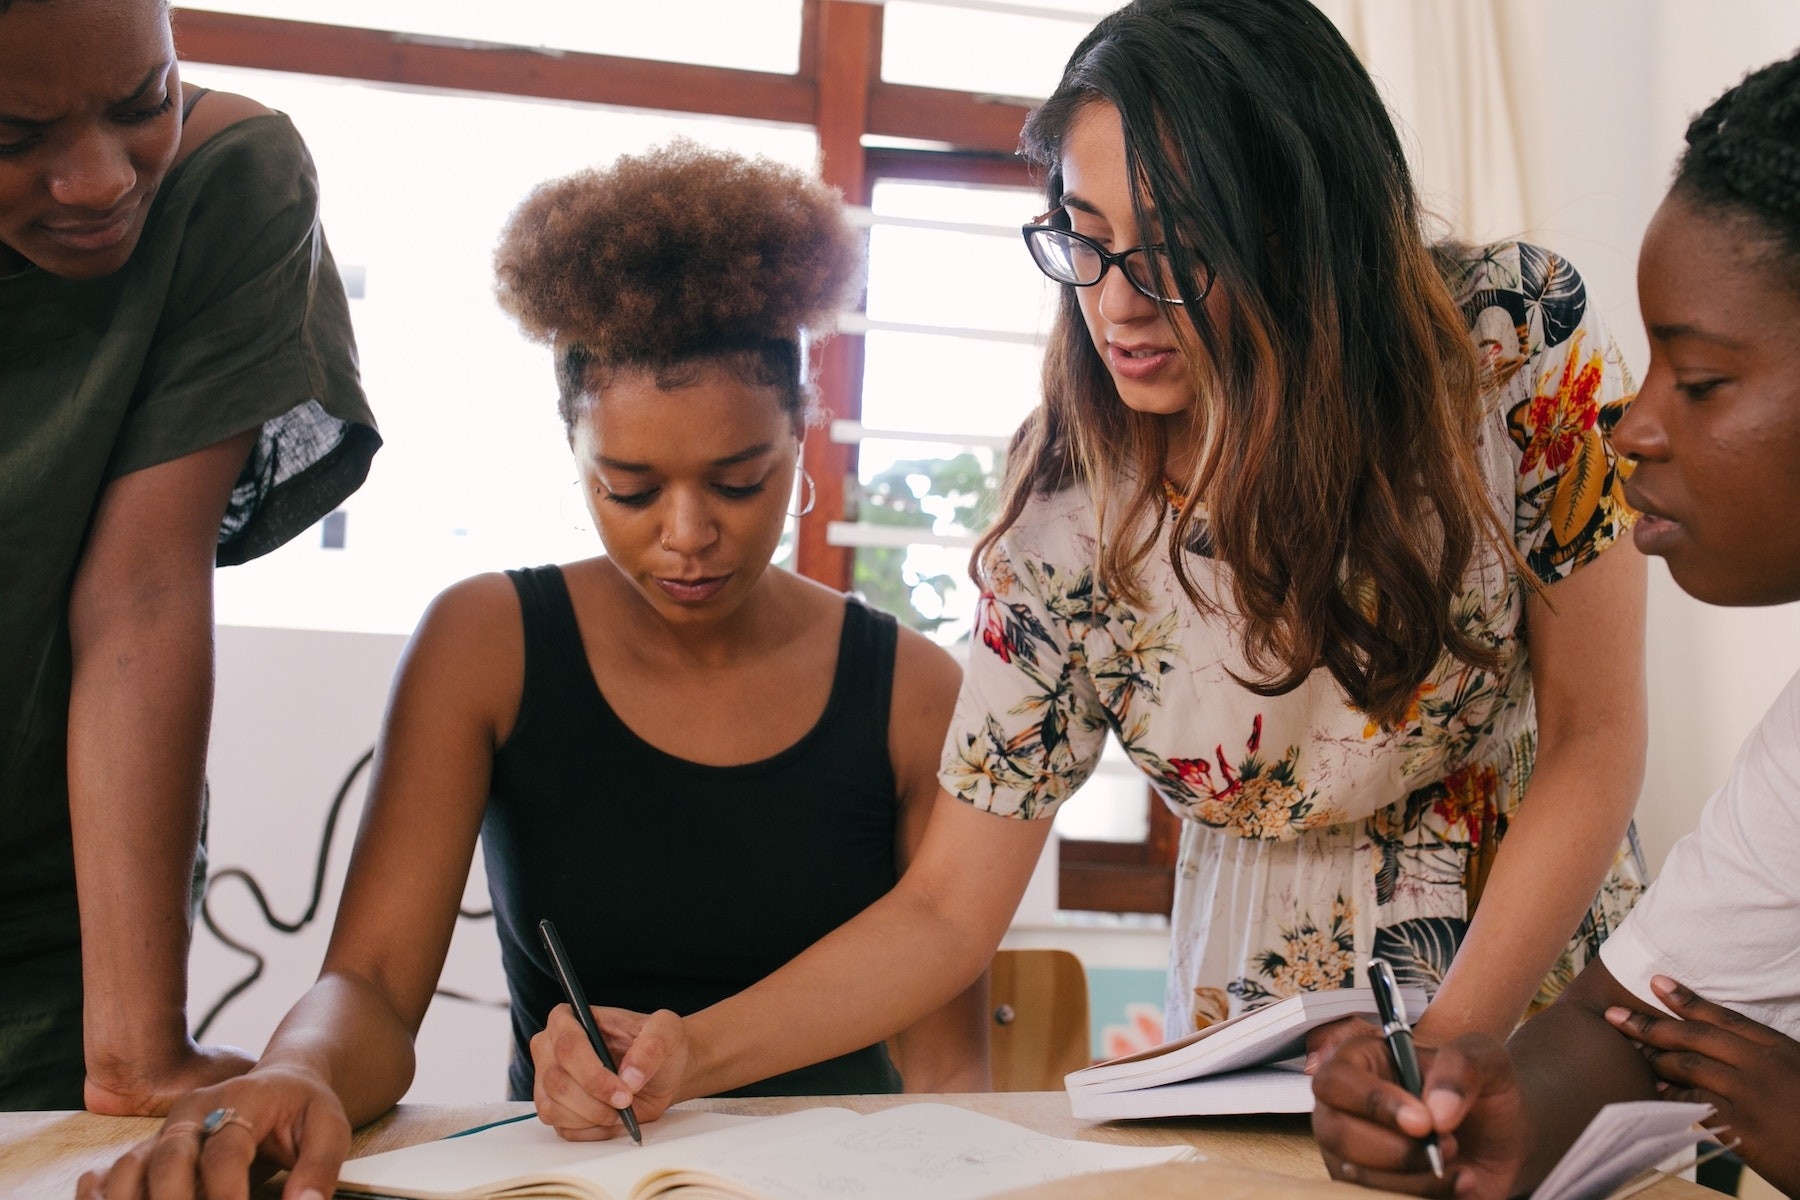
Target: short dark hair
x=1743, y=154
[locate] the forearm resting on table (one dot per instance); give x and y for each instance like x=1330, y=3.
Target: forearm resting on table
x=1564, y=838
x=346, y=1032
x=948, y=1050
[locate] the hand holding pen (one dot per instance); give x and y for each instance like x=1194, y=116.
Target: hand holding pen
x=1398, y=1035
x=565, y=972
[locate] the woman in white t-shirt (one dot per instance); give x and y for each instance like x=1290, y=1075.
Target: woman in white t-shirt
x=1715, y=434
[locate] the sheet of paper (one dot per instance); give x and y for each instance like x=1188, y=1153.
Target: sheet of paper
x=912, y=1151
x=1622, y=1141
x=523, y=1150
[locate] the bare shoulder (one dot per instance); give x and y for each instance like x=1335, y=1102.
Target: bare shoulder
x=469, y=649
x=925, y=674
x=212, y=113
x=1597, y=989
x=479, y=600
x=926, y=681
x=480, y=617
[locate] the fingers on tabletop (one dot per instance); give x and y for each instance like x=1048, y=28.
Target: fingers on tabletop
x=324, y=1143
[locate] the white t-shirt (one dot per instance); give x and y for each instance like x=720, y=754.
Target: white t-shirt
x=1723, y=918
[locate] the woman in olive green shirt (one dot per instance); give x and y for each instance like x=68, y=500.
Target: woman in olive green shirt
x=178, y=387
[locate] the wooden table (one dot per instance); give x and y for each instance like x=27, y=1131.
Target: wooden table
x=1247, y=1158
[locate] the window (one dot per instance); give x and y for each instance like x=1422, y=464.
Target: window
x=925, y=386
x=953, y=334
x=475, y=475
x=951, y=341
x=937, y=44
x=756, y=35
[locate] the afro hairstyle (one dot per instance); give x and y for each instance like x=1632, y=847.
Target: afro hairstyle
x=678, y=255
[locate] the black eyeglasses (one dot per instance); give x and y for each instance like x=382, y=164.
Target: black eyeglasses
x=1069, y=257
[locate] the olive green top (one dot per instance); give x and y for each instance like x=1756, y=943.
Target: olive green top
x=229, y=315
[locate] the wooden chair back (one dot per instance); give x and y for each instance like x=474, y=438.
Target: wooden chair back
x=1039, y=1006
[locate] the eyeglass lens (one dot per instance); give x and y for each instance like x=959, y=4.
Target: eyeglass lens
x=1069, y=259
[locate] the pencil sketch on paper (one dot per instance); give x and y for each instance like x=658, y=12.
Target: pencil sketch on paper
x=892, y=1157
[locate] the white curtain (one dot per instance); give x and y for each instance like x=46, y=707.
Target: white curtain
x=1440, y=67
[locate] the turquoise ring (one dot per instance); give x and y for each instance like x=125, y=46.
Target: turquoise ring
x=218, y=1119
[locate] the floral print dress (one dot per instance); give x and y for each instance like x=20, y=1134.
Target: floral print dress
x=1313, y=837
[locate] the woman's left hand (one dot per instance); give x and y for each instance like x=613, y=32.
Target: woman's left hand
x=1748, y=1072
x=218, y=1140
x=1322, y=1042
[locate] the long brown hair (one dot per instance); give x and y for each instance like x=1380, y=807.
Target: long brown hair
x=1338, y=395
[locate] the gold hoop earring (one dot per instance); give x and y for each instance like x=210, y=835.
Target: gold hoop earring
x=585, y=522
x=812, y=493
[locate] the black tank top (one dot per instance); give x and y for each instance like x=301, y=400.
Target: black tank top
x=675, y=884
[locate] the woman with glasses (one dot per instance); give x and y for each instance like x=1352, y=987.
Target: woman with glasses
x=1320, y=521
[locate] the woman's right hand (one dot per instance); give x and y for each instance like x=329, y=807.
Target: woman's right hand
x=1370, y=1128
x=280, y=1116
x=577, y=1096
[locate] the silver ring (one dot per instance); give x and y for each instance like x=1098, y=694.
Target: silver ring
x=184, y=1129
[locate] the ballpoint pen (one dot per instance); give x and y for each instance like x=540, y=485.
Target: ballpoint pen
x=1398, y=1036
x=559, y=959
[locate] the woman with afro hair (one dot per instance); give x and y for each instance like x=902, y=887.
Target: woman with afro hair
x=695, y=763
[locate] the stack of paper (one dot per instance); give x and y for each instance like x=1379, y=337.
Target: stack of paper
x=1245, y=1065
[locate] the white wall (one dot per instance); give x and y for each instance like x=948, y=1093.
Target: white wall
x=1602, y=91
x=294, y=711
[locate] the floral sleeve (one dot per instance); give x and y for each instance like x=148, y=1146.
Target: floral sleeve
x=1562, y=400
x=1029, y=726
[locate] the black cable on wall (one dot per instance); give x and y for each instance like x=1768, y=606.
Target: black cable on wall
x=258, y=961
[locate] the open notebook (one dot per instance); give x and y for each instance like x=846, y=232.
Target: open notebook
x=1620, y=1144
x=908, y=1151
x=1248, y=1064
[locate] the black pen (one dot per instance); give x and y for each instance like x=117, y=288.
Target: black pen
x=559, y=959
x=1398, y=1035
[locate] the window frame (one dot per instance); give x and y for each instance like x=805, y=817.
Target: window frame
x=838, y=91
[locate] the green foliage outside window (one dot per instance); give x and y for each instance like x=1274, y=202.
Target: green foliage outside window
x=919, y=494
